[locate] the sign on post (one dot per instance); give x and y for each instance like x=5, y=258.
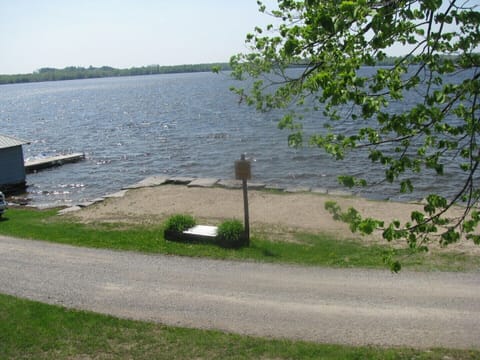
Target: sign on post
x=242, y=169
x=243, y=172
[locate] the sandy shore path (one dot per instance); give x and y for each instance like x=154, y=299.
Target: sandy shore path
x=273, y=213
x=289, y=210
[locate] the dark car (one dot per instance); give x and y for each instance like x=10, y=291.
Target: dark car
x=3, y=203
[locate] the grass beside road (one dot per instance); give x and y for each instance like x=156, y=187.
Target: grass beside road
x=307, y=249
x=32, y=330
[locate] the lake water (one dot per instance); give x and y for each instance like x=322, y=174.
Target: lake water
x=175, y=125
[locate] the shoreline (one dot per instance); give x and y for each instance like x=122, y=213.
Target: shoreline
x=274, y=214
x=189, y=181
x=194, y=182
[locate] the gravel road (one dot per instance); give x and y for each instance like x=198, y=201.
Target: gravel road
x=348, y=306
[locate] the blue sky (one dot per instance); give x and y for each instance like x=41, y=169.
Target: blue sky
x=122, y=33
x=126, y=33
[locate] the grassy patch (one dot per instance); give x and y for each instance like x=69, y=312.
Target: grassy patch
x=307, y=249
x=31, y=330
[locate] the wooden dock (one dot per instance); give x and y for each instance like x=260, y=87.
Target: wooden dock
x=48, y=162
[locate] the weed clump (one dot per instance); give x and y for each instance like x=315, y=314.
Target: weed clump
x=231, y=234
x=179, y=223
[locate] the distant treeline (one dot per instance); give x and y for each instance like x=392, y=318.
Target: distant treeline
x=75, y=72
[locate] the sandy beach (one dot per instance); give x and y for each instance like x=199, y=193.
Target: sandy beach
x=273, y=214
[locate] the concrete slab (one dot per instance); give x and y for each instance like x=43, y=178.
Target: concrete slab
x=91, y=202
x=203, y=230
x=148, y=182
x=255, y=186
x=237, y=184
x=85, y=204
x=203, y=182
x=297, y=189
x=118, y=194
x=180, y=180
x=230, y=184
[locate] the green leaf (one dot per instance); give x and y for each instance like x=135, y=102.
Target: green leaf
x=369, y=225
x=348, y=181
x=417, y=216
x=406, y=186
x=474, y=238
x=449, y=237
x=389, y=233
x=295, y=140
x=291, y=46
x=327, y=23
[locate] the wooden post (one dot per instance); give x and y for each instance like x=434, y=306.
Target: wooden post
x=246, y=215
x=243, y=172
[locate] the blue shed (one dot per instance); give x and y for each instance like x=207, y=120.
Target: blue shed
x=12, y=167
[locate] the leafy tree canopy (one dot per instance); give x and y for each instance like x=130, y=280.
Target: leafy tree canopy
x=329, y=41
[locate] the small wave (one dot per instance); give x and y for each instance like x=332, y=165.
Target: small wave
x=302, y=176
x=188, y=165
x=310, y=157
x=72, y=186
x=218, y=136
x=49, y=192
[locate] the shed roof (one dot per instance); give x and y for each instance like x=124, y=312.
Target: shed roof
x=9, y=141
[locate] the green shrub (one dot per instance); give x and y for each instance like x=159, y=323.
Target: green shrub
x=179, y=223
x=231, y=234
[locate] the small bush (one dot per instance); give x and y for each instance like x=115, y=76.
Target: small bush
x=179, y=223
x=231, y=234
